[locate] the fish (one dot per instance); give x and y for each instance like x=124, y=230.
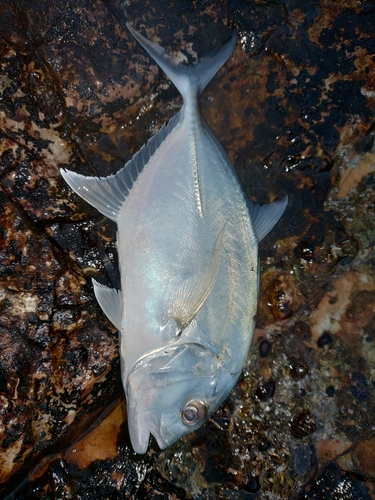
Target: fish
x=187, y=241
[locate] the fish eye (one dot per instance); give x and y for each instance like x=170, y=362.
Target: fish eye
x=193, y=412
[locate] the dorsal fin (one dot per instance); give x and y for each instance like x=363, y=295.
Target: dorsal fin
x=108, y=194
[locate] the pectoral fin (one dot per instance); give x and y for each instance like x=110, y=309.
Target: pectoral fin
x=265, y=217
x=110, y=301
x=193, y=292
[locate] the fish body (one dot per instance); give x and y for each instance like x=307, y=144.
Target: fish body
x=188, y=253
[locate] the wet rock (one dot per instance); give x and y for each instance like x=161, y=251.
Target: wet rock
x=303, y=424
x=325, y=339
x=264, y=348
x=266, y=390
x=359, y=386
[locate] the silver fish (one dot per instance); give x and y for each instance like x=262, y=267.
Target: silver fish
x=188, y=251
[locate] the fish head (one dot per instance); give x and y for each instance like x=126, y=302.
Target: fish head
x=173, y=392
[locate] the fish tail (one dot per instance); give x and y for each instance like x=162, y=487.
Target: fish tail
x=187, y=78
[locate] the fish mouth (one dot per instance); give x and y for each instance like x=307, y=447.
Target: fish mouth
x=139, y=440
x=141, y=426
x=138, y=431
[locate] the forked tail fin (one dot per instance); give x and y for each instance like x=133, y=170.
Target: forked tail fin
x=184, y=77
